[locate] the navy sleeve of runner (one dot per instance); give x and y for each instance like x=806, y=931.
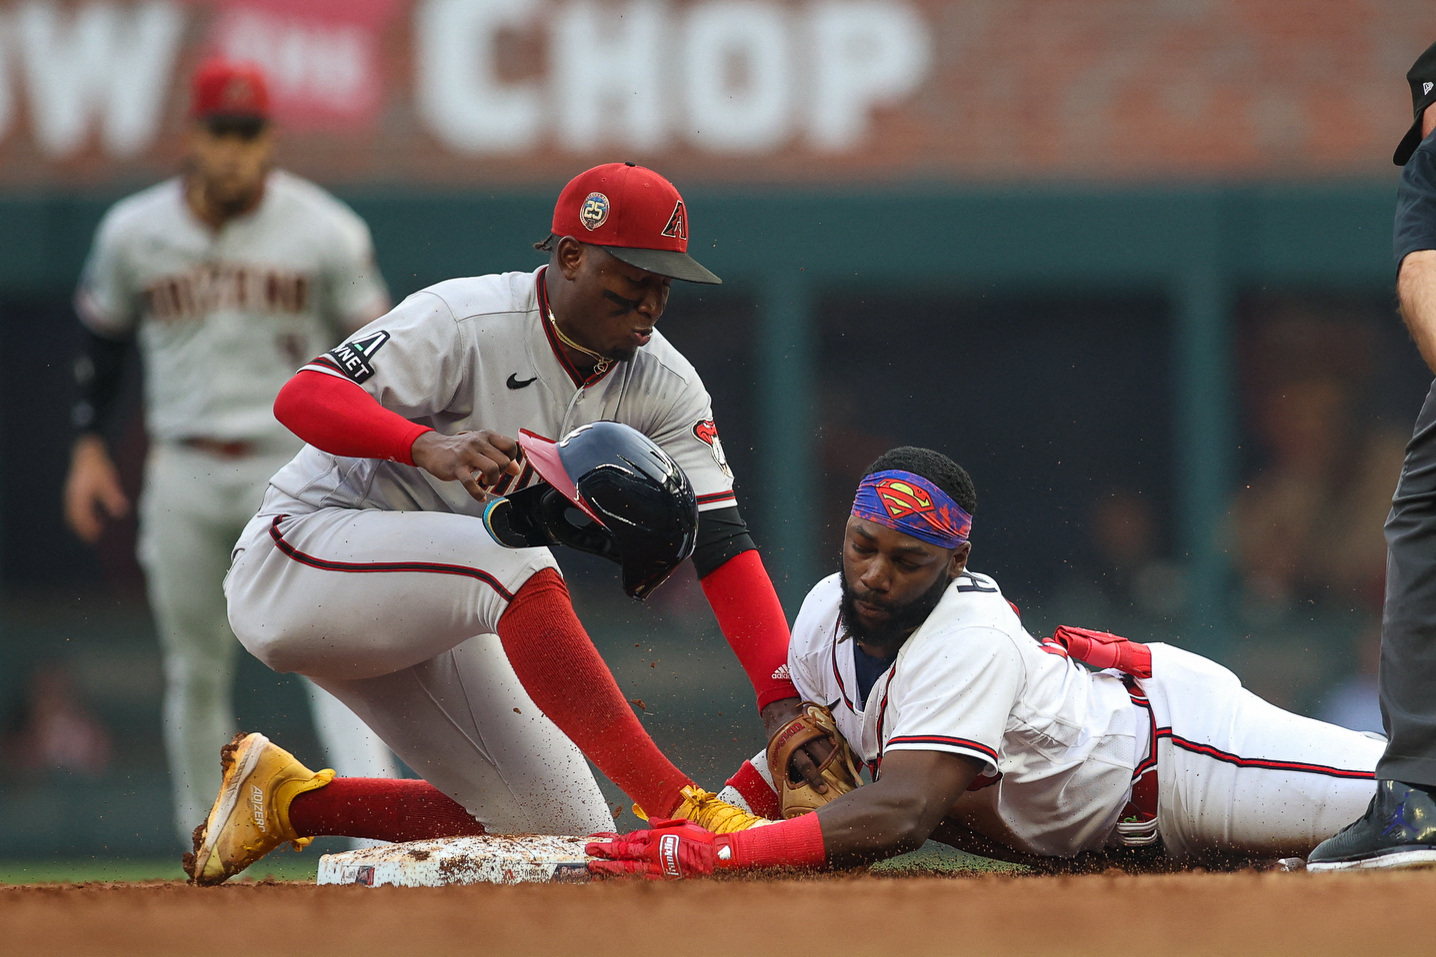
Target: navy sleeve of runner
x=1416, y=203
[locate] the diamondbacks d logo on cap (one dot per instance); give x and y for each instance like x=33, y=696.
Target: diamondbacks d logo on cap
x=902, y=499
x=1426, y=87
x=594, y=212
x=677, y=223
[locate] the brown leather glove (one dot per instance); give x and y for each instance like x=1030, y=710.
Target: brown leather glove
x=839, y=772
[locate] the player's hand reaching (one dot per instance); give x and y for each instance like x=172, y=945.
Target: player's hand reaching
x=670, y=850
x=476, y=459
x=92, y=490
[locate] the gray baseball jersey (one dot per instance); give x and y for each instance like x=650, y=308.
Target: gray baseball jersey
x=480, y=353
x=224, y=318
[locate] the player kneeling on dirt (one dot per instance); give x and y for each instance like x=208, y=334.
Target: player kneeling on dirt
x=605, y=489
x=980, y=736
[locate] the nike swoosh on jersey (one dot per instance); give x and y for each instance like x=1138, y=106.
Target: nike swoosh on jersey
x=514, y=382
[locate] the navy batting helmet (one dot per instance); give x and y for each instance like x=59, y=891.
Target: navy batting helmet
x=607, y=490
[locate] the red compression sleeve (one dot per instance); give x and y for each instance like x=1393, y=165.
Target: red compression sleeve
x=752, y=620
x=383, y=809
x=794, y=843
x=562, y=672
x=337, y=416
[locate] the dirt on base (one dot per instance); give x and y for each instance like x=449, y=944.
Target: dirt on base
x=1229, y=915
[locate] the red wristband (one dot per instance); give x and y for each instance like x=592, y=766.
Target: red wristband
x=752, y=619
x=793, y=843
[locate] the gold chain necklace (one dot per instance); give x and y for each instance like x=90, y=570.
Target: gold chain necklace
x=601, y=362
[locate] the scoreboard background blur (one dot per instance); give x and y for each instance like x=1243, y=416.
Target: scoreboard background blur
x=1128, y=262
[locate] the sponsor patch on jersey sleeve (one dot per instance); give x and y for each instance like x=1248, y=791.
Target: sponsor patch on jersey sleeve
x=707, y=433
x=351, y=359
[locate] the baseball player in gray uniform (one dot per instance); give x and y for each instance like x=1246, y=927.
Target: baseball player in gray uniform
x=229, y=277
x=369, y=567
x=978, y=735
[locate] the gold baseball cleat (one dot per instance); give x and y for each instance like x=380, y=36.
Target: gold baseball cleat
x=706, y=809
x=250, y=816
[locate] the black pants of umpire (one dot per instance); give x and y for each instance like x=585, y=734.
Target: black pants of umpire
x=1408, y=623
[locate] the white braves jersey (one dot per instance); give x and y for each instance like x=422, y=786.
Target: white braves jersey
x=478, y=353
x=225, y=317
x=1058, y=742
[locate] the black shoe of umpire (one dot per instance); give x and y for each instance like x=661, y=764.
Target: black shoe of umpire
x=1397, y=830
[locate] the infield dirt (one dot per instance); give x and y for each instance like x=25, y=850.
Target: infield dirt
x=1179, y=914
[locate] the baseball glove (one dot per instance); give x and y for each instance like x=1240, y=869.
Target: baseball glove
x=839, y=770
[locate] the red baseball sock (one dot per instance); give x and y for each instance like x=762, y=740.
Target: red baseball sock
x=384, y=809
x=758, y=793
x=559, y=667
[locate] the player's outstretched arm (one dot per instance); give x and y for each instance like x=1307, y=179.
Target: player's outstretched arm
x=894, y=814
x=93, y=492
x=900, y=810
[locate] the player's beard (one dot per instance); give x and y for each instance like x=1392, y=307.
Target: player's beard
x=902, y=619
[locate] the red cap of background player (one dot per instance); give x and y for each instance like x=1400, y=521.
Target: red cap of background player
x=633, y=213
x=222, y=88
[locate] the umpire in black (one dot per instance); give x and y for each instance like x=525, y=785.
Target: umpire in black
x=1399, y=827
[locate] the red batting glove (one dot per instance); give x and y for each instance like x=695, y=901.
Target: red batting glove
x=669, y=850
x=1101, y=649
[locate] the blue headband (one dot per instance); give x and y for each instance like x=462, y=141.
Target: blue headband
x=912, y=505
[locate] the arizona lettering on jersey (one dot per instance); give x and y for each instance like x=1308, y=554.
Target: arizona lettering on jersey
x=196, y=293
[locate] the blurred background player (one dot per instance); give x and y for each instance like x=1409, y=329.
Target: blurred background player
x=228, y=276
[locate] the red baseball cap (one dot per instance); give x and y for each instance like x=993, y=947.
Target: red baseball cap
x=222, y=88
x=634, y=214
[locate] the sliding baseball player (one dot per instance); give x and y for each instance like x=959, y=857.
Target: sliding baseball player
x=978, y=735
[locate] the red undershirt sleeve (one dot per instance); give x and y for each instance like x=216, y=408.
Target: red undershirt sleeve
x=342, y=419
x=752, y=619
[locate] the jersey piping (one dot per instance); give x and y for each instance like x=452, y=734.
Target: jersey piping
x=946, y=742
x=1228, y=757
x=838, y=672
x=437, y=568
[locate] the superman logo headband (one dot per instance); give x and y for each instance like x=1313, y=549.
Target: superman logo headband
x=910, y=504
